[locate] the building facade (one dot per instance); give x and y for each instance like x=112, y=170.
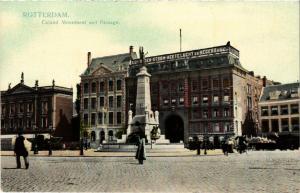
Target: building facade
x=200, y=92
x=279, y=110
x=103, y=97
x=36, y=110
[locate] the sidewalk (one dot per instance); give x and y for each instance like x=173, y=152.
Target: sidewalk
x=92, y=153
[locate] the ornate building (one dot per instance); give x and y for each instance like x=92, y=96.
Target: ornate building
x=279, y=109
x=103, y=96
x=36, y=110
x=200, y=92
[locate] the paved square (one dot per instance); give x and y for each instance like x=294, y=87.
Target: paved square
x=262, y=171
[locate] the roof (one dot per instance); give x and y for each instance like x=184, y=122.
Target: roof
x=281, y=92
x=112, y=62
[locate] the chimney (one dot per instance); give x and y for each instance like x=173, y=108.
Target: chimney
x=88, y=59
x=130, y=50
x=264, y=79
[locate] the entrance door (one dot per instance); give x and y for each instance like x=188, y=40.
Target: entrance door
x=174, y=128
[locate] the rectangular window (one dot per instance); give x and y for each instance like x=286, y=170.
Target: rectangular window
x=275, y=125
x=265, y=126
x=284, y=110
x=119, y=101
x=216, y=127
x=119, y=117
x=215, y=113
x=285, y=124
x=195, y=100
x=44, y=122
x=226, y=127
x=21, y=108
x=205, y=100
x=216, y=98
x=226, y=98
x=274, y=110
x=3, y=109
x=204, y=84
x=93, y=103
x=181, y=100
x=85, y=103
x=166, y=101
x=12, y=109
x=111, y=101
x=110, y=85
x=264, y=111
x=249, y=102
x=249, y=89
x=225, y=83
x=29, y=107
x=101, y=86
x=194, y=85
x=294, y=109
x=101, y=101
x=100, y=118
x=205, y=113
x=44, y=107
x=93, y=119
x=215, y=83
x=226, y=112
x=85, y=119
x=295, y=123
x=180, y=87
x=111, y=118
x=119, y=84
x=173, y=101
x=86, y=88
x=93, y=87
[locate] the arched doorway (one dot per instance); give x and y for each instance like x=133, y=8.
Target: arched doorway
x=174, y=128
x=102, y=136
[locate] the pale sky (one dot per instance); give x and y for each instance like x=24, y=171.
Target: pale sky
x=267, y=35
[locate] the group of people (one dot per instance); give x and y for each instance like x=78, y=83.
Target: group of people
x=21, y=151
x=228, y=144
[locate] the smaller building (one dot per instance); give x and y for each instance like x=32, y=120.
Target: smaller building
x=279, y=110
x=36, y=111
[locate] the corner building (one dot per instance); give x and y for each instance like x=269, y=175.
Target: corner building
x=200, y=92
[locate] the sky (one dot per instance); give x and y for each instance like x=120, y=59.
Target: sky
x=265, y=33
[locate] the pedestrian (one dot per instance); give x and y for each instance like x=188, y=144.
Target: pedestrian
x=20, y=150
x=141, y=151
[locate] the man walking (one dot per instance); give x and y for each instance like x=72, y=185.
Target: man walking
x=20, y=150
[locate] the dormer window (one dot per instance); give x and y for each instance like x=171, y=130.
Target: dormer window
x=274, y=95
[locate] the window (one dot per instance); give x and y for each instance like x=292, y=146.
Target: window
x=11, y=123
x=264, y=111
x=275, y=125
x=180, y=87
x=265, y=126
x=29, y=107
x=93, y=101
x=226, y=112
x=166, y=101
x=225, y=82
x=295, y=123
x=215, y=113
x=216, y=127
x=216, y=98
x=119, y=101
x=86, y=88
x=195, y=100
x=44, y=107
x=119, y=84
x=93, y=119
x=294, y=109
x=204, y=84
x=28, y=123
x=85, y=103
x=194, y=85
x=93, y=87
x=110, y=135
x=173, y=101
x=205, y=100
x=86, y=119
x=226, y=127
x=274, y=110
x=249, y=89
x=181, y=100
x=215, y=83
x=44, y=122
x=284, y=110
x=285, y=124
x=110, y=85
x=12, y=109
x=205, y=113
x=111, y=118
x=100, y=118
x=93, y=136
x=111, y=101
x=226, y=98
x=101, y=101
x=3, y=109
x=101, y=86
x=119, y=117
x=249, y=102
x=22, y=108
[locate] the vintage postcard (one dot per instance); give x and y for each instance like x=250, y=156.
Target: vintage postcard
x=150, y=96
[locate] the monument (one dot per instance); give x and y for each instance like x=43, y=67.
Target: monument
x=144, y=120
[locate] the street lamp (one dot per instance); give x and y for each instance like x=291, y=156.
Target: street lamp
x=50, y=143
x=35, y=147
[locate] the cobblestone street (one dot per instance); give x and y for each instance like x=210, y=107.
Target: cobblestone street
x=261, y=171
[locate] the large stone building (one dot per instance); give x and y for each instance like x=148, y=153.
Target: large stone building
x=103, y=97
x=200, y=92
x=34, y=110
x=279, y=110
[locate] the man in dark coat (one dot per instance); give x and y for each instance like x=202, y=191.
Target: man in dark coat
x=20, y=150
x=141, y=152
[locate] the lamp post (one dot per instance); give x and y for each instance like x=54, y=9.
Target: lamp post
x=50, y=140
x=35, y=147
x=205, y=141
